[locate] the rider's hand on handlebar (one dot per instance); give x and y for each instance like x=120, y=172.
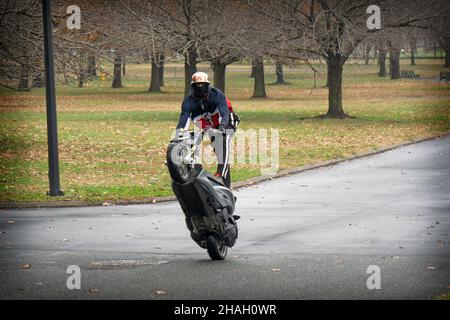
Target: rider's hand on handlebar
x=221, y=129
x=181, y=134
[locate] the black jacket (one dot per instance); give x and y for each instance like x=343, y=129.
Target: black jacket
x=194, y=107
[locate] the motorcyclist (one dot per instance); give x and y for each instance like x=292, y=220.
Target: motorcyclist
x=208, y=107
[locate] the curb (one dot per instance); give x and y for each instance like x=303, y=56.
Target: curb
x=235, y=185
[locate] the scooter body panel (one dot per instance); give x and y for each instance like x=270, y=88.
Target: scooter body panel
x=208, y=207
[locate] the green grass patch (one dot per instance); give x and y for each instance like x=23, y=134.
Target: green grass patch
x=112, y=142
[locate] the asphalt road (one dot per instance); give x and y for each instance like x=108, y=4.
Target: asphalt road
x=311, y=235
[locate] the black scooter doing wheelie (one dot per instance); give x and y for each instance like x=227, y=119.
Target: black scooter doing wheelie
x=207, y=203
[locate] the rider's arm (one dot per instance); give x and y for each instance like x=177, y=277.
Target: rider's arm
x=223, y=109
x=183, y=122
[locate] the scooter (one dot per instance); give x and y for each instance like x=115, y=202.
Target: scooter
x=208, y=205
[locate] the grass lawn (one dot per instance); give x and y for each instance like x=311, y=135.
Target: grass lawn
x=112, y=141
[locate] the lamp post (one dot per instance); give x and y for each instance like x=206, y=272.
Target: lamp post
x=52, y=129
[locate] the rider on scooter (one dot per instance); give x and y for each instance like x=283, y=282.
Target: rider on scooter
x=208, y=107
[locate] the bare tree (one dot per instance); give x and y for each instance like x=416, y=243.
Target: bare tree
x=279, y=73
x=382, y=53
x=22, y=41
x=413, y=48
x=333, y=29
x=394, y=60
x=259, y=90
x=156, y=79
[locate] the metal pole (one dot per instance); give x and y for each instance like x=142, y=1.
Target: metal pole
x=52, y=130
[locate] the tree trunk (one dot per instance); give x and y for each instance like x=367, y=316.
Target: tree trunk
x=259, y=90
x=80, y=80
x=447, y=57
x=38, y=80
x=328, y=76
x=24, y=75
x=219, y=75
x=252, y=74
x=161, y=69
x=366, y=54
x=117, y=76
x=155, y=85
x=92, y=69
x=335, y=110
x=190, y=67
x=413, y=59
x=390, y=66
x=412, y=47
x=435, y=50
x=279, y=72
x=394, y=59
x=124, y=71
x=382, y=62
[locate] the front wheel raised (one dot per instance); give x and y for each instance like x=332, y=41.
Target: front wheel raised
x=217, y=249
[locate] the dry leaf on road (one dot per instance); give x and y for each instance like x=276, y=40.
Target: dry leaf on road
x=160, y=292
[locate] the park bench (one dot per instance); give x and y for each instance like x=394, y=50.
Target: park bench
x=409, y=74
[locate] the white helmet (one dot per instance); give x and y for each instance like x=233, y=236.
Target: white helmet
x=199, y=77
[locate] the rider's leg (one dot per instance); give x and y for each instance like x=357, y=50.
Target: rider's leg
x=221, y=144
x=197, y=141
x=226, y=175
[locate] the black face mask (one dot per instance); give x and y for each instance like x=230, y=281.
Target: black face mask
x=200, y=92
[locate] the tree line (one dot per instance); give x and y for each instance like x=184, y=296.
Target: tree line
x=219, y=32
